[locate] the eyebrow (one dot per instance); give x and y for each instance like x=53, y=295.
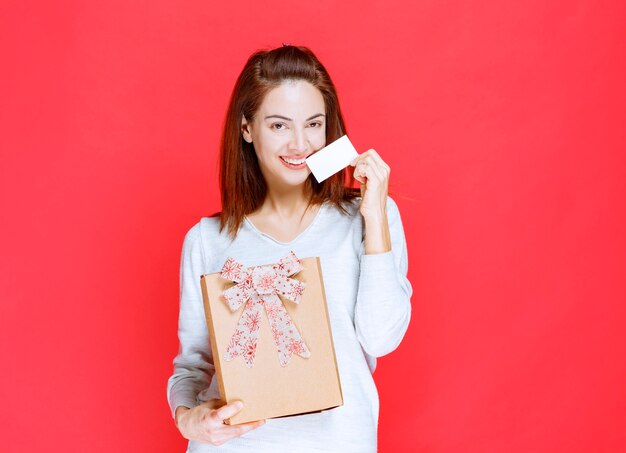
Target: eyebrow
x=289, y=119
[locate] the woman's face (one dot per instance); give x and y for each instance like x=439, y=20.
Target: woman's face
x=289, y=126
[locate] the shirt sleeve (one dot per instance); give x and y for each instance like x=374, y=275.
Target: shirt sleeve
x=383, y=306
x=193, y=365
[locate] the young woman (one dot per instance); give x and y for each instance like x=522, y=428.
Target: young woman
x=284, y=108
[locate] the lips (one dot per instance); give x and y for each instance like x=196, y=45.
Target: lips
x=294, y=162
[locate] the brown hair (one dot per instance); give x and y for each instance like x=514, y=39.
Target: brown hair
x=242, y=185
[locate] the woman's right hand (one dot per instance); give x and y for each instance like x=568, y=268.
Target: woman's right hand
x=204, y=423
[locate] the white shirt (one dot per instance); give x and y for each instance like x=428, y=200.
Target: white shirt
x=368, y=298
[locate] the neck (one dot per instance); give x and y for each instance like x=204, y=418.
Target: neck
x=286, y=202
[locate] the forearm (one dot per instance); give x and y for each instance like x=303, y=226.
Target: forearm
x=383, y=307
x=377, y=235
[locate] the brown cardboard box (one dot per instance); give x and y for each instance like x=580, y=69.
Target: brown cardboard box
x=267, y=388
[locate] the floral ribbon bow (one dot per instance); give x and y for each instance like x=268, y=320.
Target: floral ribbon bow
x=260, y=287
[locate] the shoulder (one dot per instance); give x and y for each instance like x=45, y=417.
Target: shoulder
x=192, y=235
x=206, y=229
x=210, y=227
x=352, y=207
x=203, y=240
x=392, y=208
x=352, y=218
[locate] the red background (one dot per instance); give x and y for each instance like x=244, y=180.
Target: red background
x=504, y=126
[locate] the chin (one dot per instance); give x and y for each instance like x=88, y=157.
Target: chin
x=295, y=180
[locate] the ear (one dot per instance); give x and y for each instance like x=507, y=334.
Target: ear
x=245, y=129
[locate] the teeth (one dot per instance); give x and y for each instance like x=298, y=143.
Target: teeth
x=293, y=161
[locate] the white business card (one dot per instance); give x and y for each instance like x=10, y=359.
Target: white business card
x=332, y=158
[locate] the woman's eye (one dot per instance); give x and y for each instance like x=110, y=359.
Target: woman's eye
x=316, y=124
x=278, y=126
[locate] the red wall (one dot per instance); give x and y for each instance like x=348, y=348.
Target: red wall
x=503, y=123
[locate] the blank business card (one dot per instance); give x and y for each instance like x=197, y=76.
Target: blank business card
x=332, y=158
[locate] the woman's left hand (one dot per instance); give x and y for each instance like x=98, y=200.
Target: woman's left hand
x=373, y=174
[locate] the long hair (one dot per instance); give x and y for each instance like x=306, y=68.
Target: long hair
x=242, y=185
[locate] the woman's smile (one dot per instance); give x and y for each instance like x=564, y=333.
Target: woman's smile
x=294, y=162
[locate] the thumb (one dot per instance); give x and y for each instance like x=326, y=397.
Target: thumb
x=229, y=410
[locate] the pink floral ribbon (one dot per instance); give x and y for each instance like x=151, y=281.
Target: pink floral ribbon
x=260, y=287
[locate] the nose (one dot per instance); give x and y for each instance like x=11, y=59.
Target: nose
x=299, y=142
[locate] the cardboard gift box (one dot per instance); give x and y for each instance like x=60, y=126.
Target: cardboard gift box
x=271, y=338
